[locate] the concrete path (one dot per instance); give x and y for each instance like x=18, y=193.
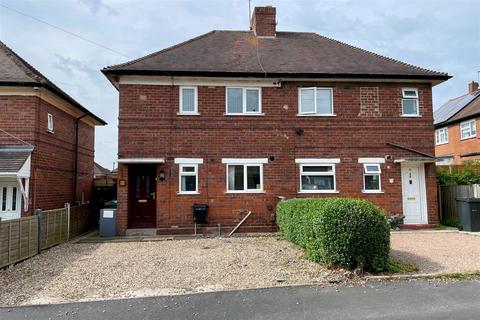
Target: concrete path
x=377, y=300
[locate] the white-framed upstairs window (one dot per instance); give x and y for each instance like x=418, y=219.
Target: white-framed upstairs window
x=410, y=102
x=244, y=175
x=243, y=101
x=188, y=101
x=50, y=123
x=441, y=136
x=188, y=175
x=315, y=102
x=317, y=175
x=372, y=181
x=468, y=129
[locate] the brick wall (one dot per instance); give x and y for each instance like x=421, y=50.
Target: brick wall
x=457, y=147
x=51, y=176
x=150, y=127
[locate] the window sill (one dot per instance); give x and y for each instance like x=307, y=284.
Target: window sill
x=50, y=131
x=187, y=193
x=244, y=114
x=461, y=139
x=411, y=116
x=440, y=144
x=188, y=113
x=244, y=192
x=319, y=191
x=315, y=115
x=373, y=191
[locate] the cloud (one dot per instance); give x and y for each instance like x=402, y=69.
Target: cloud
x=95, y=6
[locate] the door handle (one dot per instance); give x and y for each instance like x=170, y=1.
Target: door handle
x=153, y=195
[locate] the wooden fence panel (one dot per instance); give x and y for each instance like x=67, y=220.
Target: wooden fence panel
x=82, y=219
x=54, y=227
x=449, y=194
x=19, y=237
x=18, y=240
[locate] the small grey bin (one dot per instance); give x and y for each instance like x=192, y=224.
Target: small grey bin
x=108, y=222
x=469, y=213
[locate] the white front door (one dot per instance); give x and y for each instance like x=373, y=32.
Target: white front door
x=414, y=194
x=9, y=201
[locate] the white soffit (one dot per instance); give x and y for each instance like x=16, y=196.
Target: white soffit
x=142, y=160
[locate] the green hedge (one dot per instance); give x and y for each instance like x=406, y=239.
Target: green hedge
x=337, y=231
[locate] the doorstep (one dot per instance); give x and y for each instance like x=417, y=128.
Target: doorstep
x=141, y=232
x=417, y=226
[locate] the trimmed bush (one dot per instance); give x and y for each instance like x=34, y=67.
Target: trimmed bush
x=337, y=231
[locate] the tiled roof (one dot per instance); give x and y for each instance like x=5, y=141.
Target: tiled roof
x=14, y=71
x=13, y=158
x=290, y=54
x=457, y=109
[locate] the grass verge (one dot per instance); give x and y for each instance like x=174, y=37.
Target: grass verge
x=400, y=267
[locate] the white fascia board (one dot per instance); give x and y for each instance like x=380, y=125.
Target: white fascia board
x=318, y=160
x=371, y=160
x=244, y=161
x=199, y=81
x=189, y=160
x=142, y=160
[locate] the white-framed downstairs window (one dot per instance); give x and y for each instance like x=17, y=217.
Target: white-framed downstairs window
x=317, y=175
x=244, y=175
x=441, y=136
x=188, y=175
x=315, y=101
x=243, y=101
x=371, y=177
x=410, y=102
x=50, y=122
x=188, y=101
x=468, y=129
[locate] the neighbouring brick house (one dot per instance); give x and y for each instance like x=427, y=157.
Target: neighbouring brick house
x=240, y=119
x=456, y=122
x=46, y=141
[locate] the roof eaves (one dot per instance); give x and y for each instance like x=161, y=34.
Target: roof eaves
x=41, y=80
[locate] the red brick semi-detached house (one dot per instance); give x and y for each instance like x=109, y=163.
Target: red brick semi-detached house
x=238, y=119
x=456, y=123
x=46, y=142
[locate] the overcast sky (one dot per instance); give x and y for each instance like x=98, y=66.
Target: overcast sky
x=440, y=35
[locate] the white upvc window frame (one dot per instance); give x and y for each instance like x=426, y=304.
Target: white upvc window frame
x=318, y=162
x=188, y=162
x=441, y=136
x=244, y=102
x=180, y=107
x=315, y=114
x=258, y=162
x=409, y=97
x=472, y=129
x=50, y=122
x=368, y=172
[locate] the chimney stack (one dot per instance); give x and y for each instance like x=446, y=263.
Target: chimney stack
x=472, y=86
x=264, y=21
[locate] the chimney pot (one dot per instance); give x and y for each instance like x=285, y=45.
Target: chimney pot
x=472, y=86
x=264, y=21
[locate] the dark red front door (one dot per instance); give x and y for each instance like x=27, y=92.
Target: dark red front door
x=141, y=196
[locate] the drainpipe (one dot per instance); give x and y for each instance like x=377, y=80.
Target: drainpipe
x=75, y=159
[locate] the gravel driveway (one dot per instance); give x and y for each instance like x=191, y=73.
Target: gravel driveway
x=437, y=251
x=76, y=272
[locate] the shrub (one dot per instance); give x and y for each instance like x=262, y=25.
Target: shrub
x=467, y=174
x=337, y=231
x=451, y=222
